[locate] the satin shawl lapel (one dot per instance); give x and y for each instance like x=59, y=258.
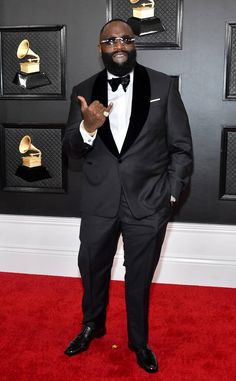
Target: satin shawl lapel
x=99, y=92
x=139, y=113
x=140, y=105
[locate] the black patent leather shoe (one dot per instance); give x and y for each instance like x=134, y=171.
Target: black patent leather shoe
x=146, y=359
x=82, y=341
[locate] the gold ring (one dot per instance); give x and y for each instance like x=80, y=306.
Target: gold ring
x=106, y=113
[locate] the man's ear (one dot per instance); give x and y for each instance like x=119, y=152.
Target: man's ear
x=99, y=48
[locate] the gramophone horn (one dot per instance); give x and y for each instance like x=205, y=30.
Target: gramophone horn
x=24, y=50
x=25, y=144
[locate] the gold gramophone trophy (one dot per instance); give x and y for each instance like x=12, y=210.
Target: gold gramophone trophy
x=31, y=155
x=31, y=168
x=29, y=76
x=144, y=21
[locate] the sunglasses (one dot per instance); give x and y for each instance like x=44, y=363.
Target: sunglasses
x=126, y=40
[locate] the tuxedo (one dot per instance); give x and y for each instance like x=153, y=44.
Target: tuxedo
x=128, y=191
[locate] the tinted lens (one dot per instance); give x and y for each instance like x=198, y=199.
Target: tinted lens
x=128, y=40
x=111, y=41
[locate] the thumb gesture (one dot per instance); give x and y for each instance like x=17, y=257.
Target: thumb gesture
x=94, y=114
x=83, y=103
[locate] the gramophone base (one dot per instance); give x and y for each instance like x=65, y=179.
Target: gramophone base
x=32, y=174
x=142, y=27
x=31, y=81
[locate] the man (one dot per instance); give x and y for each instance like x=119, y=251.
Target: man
x=135, y=142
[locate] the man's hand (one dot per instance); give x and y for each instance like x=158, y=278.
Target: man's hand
x=94, y=114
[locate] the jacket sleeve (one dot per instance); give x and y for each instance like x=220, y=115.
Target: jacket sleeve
x=179, y=142
x=72, y=142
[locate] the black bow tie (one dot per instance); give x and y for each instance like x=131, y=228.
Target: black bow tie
x=115, y=82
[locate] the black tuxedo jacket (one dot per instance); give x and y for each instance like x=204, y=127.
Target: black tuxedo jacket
x=156, y=158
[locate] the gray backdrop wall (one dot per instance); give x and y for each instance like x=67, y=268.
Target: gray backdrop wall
x=200, y=64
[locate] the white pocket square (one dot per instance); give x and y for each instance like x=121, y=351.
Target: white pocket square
x=155, y=100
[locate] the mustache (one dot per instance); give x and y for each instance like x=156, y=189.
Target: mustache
x=119, y=51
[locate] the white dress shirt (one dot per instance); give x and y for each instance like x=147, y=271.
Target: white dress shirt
x=121, y=110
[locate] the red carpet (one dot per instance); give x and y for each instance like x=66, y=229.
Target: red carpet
x=193, y=333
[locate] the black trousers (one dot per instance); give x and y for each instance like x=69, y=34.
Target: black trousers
x=143, y=240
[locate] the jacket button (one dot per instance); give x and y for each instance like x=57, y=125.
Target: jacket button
x=120, y=161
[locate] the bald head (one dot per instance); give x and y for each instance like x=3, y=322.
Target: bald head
x=114, y=23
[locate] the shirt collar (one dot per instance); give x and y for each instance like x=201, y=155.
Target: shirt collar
x=110, y=76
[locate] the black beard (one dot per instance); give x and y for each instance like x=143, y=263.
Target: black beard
x=120, y=69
